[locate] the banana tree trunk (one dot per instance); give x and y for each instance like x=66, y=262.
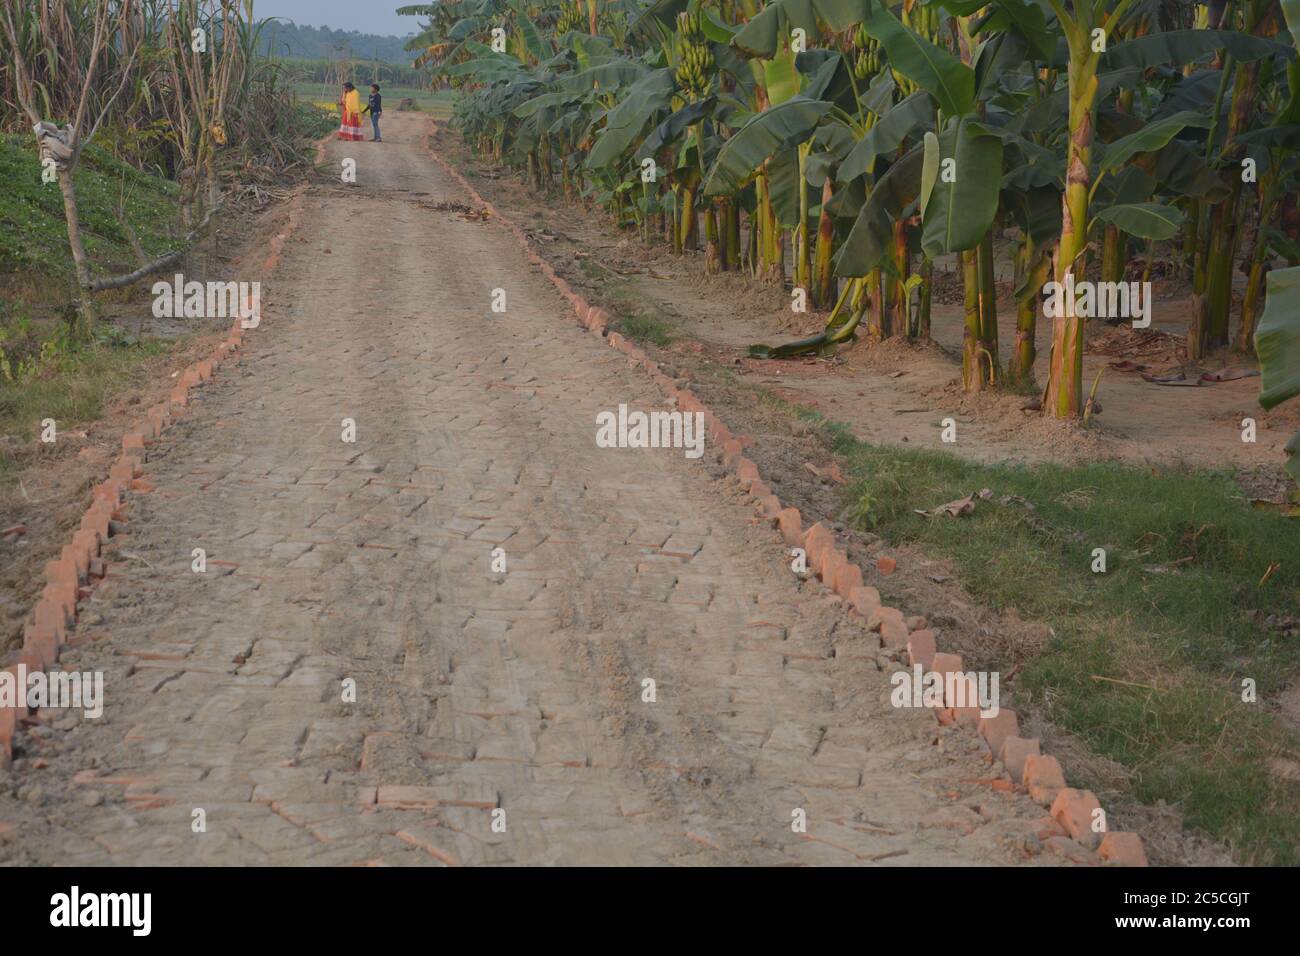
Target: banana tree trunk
x=927, y=285
x=1064, y=398
x=731, y=233
x=988, y=301
x=712, y=249
x=971, y=379
x=1252, y=304
x=823, y=290
x=802, y=246
x=1034, y=268
x=898, y=324
x=1113, y=255
x=876, y=306
x=1226, y=228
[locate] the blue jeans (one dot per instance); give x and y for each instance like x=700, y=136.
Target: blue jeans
x=374, y=121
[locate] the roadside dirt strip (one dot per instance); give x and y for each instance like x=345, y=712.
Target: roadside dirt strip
x=498, y=716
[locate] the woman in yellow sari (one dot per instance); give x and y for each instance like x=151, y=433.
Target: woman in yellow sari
x=350, y=107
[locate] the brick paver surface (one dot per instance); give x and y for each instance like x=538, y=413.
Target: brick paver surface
x=476, y=691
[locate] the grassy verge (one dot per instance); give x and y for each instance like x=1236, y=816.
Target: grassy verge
x=113, y=200
x=1186, y=610
x=43, y=372
x=70, y=387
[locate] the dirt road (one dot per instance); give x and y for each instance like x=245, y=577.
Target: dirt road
x=331, y=562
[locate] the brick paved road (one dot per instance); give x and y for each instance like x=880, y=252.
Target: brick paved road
x=475, y=690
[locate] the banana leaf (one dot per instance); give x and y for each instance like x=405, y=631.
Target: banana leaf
x=959, y=213
x=645, y=100
x=1277, y=344
x=872, y=235
x=935, y=70
x=1182, y=47
x=1146, y=220
x=888, y=134
x=782, y=125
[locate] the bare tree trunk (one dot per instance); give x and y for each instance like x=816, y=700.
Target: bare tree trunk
x=80, y=261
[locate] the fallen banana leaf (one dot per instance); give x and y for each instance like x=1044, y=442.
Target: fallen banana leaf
x=1229, y=374
x=1174, y=378
x=839, y=328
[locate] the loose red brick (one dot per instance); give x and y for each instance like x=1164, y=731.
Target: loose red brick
x=886, y=564
x=49, y=617
x=1013, y=754
x=731, y=452
x=921, y=649
x=42, y=641
x=86, y=546
x=829, y=564
x=1043, y=777
x=847, y=580
x=817, y=539
x=945, y=664
x=889, y=622
x=791, y=526
x=865, y=600
x=997, y=729
x=746, y=471
x=62, y=571
x=771, y=506
x=1124, y=849
x=963, y=698
x=132, y=440
x=760, y=489
x=1074, y=809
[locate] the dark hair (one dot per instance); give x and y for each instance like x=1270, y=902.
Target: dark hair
x=374, y=86
x=348, y=86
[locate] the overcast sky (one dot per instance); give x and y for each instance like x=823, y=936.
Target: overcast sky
x=368, y=16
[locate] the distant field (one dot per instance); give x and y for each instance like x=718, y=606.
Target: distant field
x=435, y=102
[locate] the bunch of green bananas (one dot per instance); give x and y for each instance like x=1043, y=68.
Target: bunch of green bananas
x=695, y=62
x=573, y=17
x=868, y=61
x=923, y=21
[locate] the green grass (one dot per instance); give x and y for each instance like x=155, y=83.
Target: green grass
x=644, y=328
x=1181, y=608
x=33, y=232
x=70, y=384
x=438, y=103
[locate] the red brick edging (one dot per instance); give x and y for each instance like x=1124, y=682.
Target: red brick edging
x=1040, y=775
x=70, y=578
